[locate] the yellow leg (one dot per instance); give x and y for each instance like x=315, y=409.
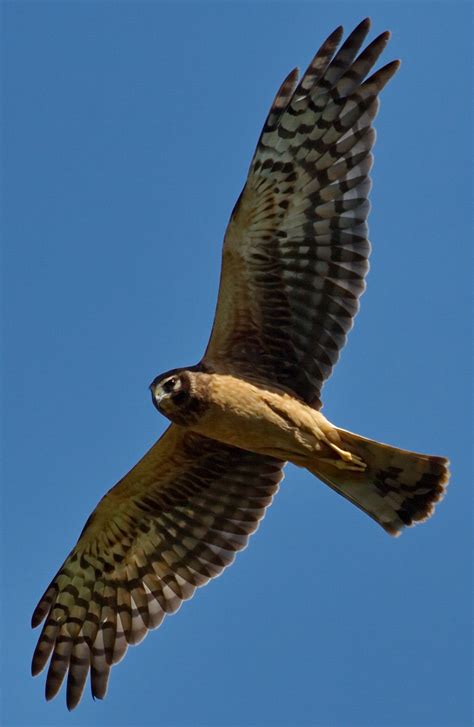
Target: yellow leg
x=349, y=460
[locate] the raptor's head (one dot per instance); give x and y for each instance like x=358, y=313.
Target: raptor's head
x=178, y=395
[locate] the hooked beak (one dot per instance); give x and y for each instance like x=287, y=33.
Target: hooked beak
x=157, y=394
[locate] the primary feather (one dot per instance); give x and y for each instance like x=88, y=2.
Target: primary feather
x=296, y=249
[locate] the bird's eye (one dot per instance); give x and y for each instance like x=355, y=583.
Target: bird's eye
x=169, y=385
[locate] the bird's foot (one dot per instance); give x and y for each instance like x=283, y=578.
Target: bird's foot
x=348, y=460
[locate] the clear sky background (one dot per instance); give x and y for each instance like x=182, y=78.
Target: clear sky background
x=127, y=133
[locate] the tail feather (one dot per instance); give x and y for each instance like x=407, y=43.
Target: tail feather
x=398, y=488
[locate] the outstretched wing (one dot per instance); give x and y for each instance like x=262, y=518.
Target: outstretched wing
x=296, y=248
x=173, y=523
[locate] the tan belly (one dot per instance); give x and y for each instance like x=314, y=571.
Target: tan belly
x=268, y=422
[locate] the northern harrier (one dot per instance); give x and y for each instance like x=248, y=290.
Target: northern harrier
x=293, y=268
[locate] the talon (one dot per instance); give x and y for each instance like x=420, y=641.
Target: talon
x=345, y=455
x=343, y=465
x=348, y=461
x=358, y=462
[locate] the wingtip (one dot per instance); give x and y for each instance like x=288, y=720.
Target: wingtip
x=71, y=704
x=361, y=28
x=384, y=74
x=49, y=693
x=382, y=39
x=393, y=67
x=291, y=79
x=336, y=35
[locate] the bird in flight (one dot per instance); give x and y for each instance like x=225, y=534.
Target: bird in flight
x=294, y=261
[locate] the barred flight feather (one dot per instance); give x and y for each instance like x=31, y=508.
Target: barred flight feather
x=296, y=249
x=397, y=489
x=173, y=523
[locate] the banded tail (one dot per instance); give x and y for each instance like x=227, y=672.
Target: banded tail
x=398, y=487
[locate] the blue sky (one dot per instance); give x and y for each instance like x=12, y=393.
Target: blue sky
x=127, y=132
